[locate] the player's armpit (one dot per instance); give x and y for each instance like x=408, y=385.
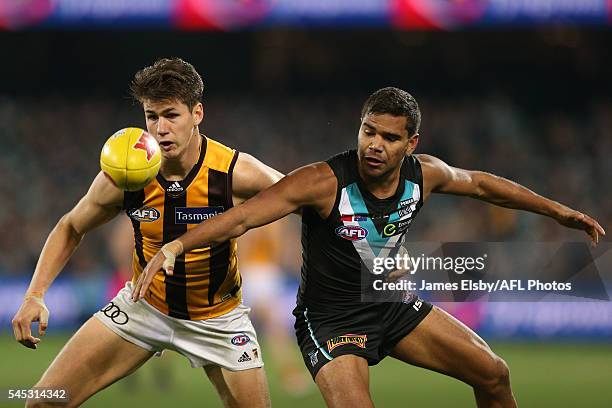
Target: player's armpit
x=250, y=176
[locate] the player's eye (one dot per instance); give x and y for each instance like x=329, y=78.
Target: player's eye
x=172, y=115
x=152, y=117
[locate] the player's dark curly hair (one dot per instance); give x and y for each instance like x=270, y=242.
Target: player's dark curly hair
x=396, y=102
x=168, y=79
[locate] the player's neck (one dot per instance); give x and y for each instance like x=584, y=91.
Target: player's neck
x=177, y=168
x=383, y=186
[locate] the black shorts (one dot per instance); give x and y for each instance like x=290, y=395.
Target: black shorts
x=368, y=330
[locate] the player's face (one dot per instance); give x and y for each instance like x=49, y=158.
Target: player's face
x=173, y=125
x=383, y=144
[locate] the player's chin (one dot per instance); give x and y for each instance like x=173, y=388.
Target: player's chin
x=171, y=153
x=375, y=171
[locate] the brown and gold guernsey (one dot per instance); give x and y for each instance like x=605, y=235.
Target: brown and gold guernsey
x=206, y=282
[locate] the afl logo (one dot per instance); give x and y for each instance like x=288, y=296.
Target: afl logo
x=240, y=340
x=113, y=312
x=144, y=214
x=351, y=232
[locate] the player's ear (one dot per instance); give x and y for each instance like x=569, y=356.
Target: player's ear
x=413, y=141
x=198, y=113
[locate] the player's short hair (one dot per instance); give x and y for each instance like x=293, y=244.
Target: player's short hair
x=166, y=80
x=396, y=102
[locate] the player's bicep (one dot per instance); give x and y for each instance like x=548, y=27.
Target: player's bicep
x=101, y=204
x=251, y=176
x=439, y=177
x=307, y=186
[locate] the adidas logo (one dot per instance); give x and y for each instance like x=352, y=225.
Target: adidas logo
x=175, y=187
x=244, y=358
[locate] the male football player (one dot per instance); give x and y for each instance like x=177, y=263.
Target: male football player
x=374, y=191
x=198, y=311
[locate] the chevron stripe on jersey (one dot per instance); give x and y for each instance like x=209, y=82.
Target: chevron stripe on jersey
x=378, y=242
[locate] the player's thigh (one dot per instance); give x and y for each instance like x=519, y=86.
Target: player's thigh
x=344, y=382
x=244, y=388
x=444, y=344
x=93, y=358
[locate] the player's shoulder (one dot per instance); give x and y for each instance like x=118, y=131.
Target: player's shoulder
x=426, y=159
x=317, y=176
x=430, y=163
x=104, y=192
x=218, y=156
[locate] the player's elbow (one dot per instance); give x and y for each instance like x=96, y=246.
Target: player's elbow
x=66, y=227
x=239, y=226
x=484, y=186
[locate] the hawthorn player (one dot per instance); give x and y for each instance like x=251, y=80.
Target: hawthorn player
x=197, y=312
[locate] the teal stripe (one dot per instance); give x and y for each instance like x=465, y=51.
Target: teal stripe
x=330, y=358
x=408, y=192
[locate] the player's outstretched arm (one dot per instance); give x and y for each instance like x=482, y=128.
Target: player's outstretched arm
x=101, y=203
x=439, y=177
x=313, y=185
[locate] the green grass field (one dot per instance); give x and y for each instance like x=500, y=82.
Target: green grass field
x=543, y=375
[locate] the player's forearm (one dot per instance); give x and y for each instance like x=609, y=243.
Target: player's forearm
x=215, y=231
x=60, y=245
x=506, y=193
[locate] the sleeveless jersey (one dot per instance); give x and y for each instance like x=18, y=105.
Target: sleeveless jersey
x=336, y=251
x=206, y=282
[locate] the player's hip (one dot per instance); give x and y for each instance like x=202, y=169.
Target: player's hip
x=368, y=330
x=228, y=340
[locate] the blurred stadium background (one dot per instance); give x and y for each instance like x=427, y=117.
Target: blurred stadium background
x=518, y=88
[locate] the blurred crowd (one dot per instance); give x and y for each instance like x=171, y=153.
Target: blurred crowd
x=51, y=150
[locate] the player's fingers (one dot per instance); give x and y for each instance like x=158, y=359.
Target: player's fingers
x=30, y=342
x=44, y=321
x=16, y=330
x=136, y=288
x=141, y=281
x=145, y=285
x=600, y=229
x=168, y=266
x=21, y=329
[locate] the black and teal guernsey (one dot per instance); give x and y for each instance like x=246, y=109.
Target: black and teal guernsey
x=338, y=250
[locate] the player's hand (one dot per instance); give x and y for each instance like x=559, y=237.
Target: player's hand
x=404, y=269
x=32, y=309
x=577, y=220
x=163, y=260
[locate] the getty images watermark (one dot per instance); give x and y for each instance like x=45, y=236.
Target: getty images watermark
x=491, y=271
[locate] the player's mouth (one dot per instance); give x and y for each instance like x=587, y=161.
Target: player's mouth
x=166, y=145
x=373, y=161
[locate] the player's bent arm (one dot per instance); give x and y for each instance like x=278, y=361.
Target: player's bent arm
x=439, y=177
x=251, y=176
x=307, y=186
x=313, y=185
x=101, y=203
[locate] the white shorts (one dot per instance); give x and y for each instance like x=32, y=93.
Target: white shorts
x=228, y=341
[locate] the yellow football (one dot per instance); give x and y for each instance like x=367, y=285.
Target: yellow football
x=130, y=158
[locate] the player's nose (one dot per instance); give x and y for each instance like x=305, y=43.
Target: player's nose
x=162, y=126
x=376, y=143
